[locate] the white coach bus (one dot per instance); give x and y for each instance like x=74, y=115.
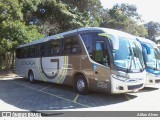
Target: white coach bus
x=151, y=57
x=90, y=58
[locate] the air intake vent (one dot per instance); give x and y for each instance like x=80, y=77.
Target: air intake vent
x=134, y=87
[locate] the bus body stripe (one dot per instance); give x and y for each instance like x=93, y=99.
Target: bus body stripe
x=62, y=76
x=40, y=72
x=63, y=71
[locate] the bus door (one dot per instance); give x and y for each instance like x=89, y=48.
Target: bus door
x=101, y=71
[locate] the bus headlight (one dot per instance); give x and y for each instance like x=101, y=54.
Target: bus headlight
x=120, y=76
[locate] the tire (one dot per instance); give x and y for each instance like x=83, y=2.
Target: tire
x=81, y=85
x=31, y=77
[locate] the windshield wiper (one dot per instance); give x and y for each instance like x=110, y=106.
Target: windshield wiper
x=132, y=54
x=141, y=64
x=132, y=59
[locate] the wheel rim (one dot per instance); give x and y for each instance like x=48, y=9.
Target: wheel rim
x=80, y=85
x=31, y=77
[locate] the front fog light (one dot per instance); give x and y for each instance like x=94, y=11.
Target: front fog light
x=119, y=88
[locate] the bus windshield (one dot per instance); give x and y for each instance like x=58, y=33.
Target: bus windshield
x=129, y=55
x=153, y=58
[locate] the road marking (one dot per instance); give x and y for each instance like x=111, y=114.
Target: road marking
x=46, y=87
x=25, y=83
x=128, y=98
x=52, y=94
x=75, y=99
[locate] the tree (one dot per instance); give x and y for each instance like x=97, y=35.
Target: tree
x=128, y=10
x=123, y=17
x=91, y=9
x=153, y=29
x=55, y=16
x=13, y=29
x=22, y=21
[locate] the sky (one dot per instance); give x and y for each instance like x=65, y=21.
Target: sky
x=148, y=9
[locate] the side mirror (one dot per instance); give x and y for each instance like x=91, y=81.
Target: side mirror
x=147, y=48
x=114, y=40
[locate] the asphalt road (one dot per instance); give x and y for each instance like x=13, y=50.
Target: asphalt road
x=20, y=94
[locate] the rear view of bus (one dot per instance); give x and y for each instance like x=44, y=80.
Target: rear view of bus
x=152, y=60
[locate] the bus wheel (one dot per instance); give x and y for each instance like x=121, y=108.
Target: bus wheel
x=81, y=85
x=31, y=76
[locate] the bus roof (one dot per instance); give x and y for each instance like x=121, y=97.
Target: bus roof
x=60, y=35
x=145, y=40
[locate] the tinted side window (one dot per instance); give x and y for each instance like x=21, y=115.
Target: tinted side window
x=54, y=48
x=41, y=50
x=18, y=53
x=31, y=52
x=21, y=52
x=24, y=52
x=71, y=45
x=88, y=41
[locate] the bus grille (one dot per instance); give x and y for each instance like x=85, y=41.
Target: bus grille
x=134, y=87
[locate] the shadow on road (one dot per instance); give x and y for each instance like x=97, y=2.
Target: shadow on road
x=148, y=89
x=47, y=96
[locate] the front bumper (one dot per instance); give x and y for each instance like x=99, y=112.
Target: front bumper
x=152, y=79
x=135, y=83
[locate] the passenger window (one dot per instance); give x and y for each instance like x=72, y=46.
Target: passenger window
x=31, y=51
x=71, y=45
x=54, y=48
x=24, y=52
x=88, y=41
x=41, y=50
x=18, y=53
